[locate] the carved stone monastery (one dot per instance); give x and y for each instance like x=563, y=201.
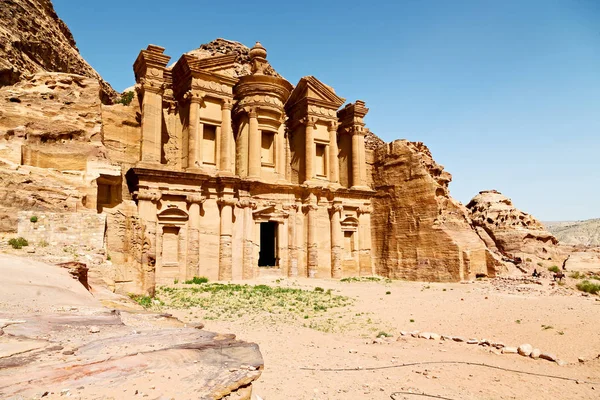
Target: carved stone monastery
x=278, y=171
x=222, y=168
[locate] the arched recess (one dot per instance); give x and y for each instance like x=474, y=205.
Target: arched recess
x=350, y=253
x=171, y=245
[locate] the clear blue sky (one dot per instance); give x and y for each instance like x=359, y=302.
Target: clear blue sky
x=506, y=94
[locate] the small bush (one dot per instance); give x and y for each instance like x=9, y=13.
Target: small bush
x=588, y=287
x=576, y=275
x=540, y=264
x=175, y=281
x=319, y=289
x=18, y=243
x=412, y=320
x=388, y=292
x=528, y=259
x=197, y=280
x=108, y=258
x=554, y=269
x=43, y=243
x=33, y=219
x=383, y=334
x=126, y=98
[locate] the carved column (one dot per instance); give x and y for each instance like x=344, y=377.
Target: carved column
x=312, y=256
x=147, y=210
x=226, y=137
x=363, y=158
x=292, y=241
x=193, y=260
x=356, y=161
x=364, y=241
x=254, y=143
x=280, y=154
x=336, y=241
x=225, y=254
x=151, y=94
x=194, y=130
x=309, y=149
x=334, y=166
x=247, y=205
x=149, y=73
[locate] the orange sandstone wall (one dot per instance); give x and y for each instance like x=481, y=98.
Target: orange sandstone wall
x=419, y=231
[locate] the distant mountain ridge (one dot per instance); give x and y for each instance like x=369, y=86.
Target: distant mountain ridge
x=586, y=233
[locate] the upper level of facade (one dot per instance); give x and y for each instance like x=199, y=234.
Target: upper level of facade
x=199, y=116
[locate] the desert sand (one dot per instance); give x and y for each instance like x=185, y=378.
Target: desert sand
x=497, y=310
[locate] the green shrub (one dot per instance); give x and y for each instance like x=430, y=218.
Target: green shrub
x=319, y=289
x=588, y=287
x=528, y=259
x=388, y=292
x=383, y=334
x=554, y=269
x=576, y=275
x=197, y=280
x=126, y=98
x=18, y=243
x=33, y=219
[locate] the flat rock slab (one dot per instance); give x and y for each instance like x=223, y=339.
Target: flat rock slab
x=175, y=363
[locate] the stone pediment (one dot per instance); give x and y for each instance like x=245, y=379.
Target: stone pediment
x=313, y=92
x=208, y=74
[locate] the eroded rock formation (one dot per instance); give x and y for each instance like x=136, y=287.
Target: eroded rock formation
x=514, y=233
x=34, y=39
x=419, y=231
x=57, y=340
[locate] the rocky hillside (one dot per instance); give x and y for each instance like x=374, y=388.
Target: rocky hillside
x=34, y=39
x=577, y=233
x=508, y=230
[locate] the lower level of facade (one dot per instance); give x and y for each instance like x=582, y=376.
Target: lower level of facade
x=227, y=228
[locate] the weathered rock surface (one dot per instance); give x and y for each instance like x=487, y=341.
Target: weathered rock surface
x=57, y=338
x=219, y=47
x=419, y=231
x=576, y=233
x=34, y=39
x=513, y=232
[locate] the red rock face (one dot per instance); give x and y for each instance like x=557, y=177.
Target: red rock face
x=419, y=231
x=33, y=39
x=513, y=232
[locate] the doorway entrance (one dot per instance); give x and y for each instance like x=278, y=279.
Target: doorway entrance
x=267, y=256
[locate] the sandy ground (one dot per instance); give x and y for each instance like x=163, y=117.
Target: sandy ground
x=496, y=310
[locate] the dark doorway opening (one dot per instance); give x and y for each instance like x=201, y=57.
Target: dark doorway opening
x=267, y=256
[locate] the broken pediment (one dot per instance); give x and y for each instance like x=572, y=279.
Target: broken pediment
x=313, y=93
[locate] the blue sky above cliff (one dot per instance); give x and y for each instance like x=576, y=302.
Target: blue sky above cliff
x=506, y=94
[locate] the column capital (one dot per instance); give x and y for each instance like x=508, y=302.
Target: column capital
x=333, y=126
x=149, y=85
x=194, y=97
x=294, y=207
x=336, y=208
x=247, y=202
x=148, y=195
x=309, y=207
x=223, y=201
x=227, y=104
x=252, y=111
x=309, y=121
x=365, y=209
x=195, y=198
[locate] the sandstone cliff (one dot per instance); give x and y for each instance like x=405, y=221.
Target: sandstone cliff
x=508, y=230
x=34, y=39
x=419, y=231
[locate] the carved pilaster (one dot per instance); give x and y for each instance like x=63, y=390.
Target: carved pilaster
x=312, y=256
x=336, y=240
